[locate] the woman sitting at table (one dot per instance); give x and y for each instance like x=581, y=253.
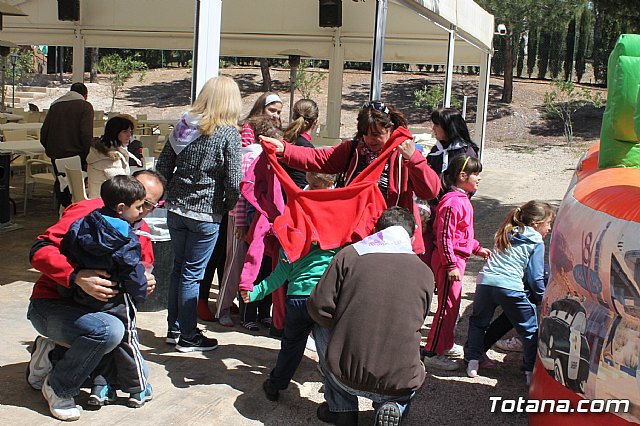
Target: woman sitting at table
x=108, y=155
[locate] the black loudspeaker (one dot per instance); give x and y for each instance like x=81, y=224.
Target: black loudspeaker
x=5, y=174
x=330, y=13
x=68, y=10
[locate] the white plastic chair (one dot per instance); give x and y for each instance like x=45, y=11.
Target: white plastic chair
x=33, y=176
x=70, y=162
x=75, y=178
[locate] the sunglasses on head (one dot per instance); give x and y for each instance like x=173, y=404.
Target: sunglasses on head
x=377, y=105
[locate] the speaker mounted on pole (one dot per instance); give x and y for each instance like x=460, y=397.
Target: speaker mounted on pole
x=330, y=13
x=68, y=10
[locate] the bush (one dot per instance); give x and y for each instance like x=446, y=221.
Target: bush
x=432, y=97
x=120, y=69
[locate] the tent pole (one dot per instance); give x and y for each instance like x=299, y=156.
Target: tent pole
x=483, y=102
x=78, y=56
x=334, y=97
x=448, y=79
x=206, y=43
x=378, y=50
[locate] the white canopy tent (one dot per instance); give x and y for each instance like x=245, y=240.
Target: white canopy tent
x=417, y=31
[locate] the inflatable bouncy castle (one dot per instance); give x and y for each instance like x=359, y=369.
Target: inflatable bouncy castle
x=589, y=335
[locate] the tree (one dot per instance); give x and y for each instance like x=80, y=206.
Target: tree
x=520, y=66
x=532, y=50
x=555, y=53
x=543, y=54
x=583, y=39
x=569, y=51
x=93, y=71
x=307, y=82
x=266, y=75
x=120, y=69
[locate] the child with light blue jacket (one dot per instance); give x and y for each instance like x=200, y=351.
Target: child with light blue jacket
x=512, y=278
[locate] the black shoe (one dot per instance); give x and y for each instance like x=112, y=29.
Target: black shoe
x=348, y=418
x=173, y=335
x=270, y=392
x=196, y=343
x=388, y=414
x=275, y=332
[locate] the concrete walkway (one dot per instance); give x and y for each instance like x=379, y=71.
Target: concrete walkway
x=223, y=387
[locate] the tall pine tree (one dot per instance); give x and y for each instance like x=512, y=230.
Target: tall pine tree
x=543, y=53
x=520, y=63
x=583, y=42
x=532, y=50
x=569, y=51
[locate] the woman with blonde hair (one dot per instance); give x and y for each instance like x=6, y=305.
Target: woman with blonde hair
x=202, y=164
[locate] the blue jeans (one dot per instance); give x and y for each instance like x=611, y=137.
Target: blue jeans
x=89, y=335
x=517, y=307
x=192, y=241
x=340, y=397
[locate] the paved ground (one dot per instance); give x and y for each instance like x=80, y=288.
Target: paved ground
x=223, y=386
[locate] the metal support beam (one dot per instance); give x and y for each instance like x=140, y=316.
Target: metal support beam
x=378, y=50
x=206, y=43
x=78, y=56
x=483, y=102
x=334, y=97
x=448, y=76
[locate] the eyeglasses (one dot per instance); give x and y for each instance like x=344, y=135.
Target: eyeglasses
x=376, y=105
x=149, y=206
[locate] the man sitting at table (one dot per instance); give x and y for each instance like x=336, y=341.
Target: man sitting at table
x=88, y=335
x=67, y=131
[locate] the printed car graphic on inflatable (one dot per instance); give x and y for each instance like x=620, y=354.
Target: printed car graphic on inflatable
x=589, y=336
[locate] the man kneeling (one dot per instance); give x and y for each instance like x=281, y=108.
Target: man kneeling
x=370, y=305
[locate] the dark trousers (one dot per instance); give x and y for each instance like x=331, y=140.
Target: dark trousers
x=260, y=309
x=216, y=261
x=498, y=328
x=297, y=326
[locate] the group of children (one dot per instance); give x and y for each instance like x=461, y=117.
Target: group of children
x=512, y=278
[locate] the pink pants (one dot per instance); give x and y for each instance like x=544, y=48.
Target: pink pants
x=444, y=321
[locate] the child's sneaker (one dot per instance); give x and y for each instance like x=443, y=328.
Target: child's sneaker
x=388, y=414
x=251, y=326
x=40, y=365
x=199, y=342
x=440, y=362
x=138, y=399
x=61, y=408
x=511, y=345
x=456, y=351
x=173, y=335
x=102, y=395
x=472, y=368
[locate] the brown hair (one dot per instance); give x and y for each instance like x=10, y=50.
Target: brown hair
x=259, y=106
x=305, y=114
x=376, y=113
x=528, y=214
x=262, y=125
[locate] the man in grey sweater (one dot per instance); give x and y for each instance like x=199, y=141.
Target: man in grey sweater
x=370, y=305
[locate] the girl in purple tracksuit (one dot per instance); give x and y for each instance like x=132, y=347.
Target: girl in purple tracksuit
x=454, y=244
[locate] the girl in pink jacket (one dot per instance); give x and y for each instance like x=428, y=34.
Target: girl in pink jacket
x=454, y=244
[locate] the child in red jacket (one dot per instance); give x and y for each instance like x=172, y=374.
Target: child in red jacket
x=454, y=244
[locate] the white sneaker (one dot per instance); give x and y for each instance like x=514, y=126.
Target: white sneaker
x=527, y=376
x=456, y=351
x=61, y=408
x=40, y=365
x=513, y=344
x=440, y=362
x=472, y=368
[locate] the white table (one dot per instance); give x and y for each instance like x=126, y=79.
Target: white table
x=11, y=117
x=20, y=126
x=28, y=147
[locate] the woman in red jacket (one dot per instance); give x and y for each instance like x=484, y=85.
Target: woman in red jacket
x=406, y=173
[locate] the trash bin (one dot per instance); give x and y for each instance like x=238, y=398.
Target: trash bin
x=163, y=254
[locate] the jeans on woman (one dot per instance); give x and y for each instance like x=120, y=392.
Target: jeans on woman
x=89, y=336
x=517, y=307
x=340, y=397
x=192, y=241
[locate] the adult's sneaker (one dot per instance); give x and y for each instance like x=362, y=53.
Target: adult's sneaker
x=199, y=342
x=456, y=351
x=513, y=344
x=40, y=365
x=138, y=399
x=440, y=362
x=472, y=368
x=173, y=335
x=61, y=408
x=270, y=392
x=388, y=414
x=102, y=395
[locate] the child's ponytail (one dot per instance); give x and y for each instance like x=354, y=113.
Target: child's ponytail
x=304, y=116
x=530, y=213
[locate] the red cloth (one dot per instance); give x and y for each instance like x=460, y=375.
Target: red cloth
x=331, y=217
x=54, y=266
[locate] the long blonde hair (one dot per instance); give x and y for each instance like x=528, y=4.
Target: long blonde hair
x=305, y=114
x=219, y=103
x=530, y=213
